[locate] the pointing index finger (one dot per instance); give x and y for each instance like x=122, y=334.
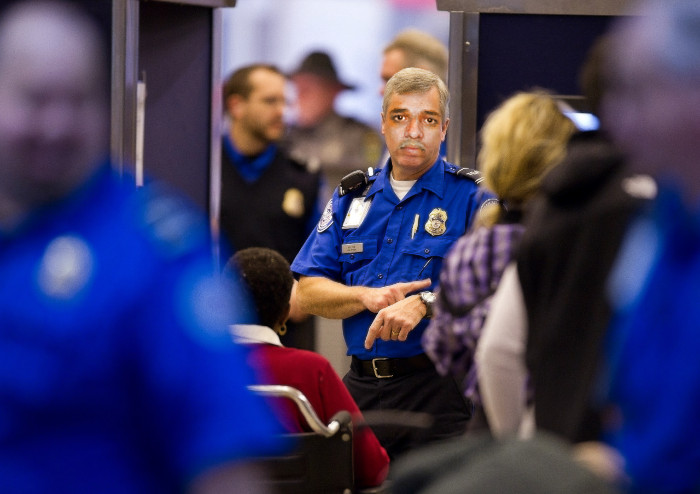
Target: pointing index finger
x=373, y=331
x=414, y=286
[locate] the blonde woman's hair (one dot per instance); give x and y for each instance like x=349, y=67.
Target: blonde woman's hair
x=521, y=140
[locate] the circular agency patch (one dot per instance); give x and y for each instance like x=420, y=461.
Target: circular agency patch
x=326, y=218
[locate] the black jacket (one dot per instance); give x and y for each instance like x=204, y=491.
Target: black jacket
x=573, y=231
x=276, y=211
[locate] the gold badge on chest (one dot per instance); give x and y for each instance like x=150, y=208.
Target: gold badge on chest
x=436, y=224
x=293, y=203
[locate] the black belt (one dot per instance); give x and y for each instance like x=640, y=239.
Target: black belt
x=390, y=367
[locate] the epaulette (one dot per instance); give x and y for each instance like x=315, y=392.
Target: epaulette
x=356, y=181
x=470, y=173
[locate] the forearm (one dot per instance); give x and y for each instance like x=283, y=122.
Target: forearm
x=296, y=314
x=328, y=298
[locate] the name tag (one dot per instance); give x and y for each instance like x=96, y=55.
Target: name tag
x=352, y=248
x=356, y=213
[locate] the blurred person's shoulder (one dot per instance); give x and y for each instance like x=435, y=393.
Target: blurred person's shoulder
x=358, y=136
x=296, y=163
x=171, y=224
x=350, y=124
x=297, y=359
x=593, y=167
x=351, y=127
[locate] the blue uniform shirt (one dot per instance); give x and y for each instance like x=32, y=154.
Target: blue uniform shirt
x=386, y=241
x=117, y=373
x=652, y=348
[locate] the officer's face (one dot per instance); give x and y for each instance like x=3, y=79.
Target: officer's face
x=53, y=106
x=413, y=129
x=262, y=113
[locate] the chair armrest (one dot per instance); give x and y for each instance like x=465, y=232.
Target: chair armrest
x=276, y=390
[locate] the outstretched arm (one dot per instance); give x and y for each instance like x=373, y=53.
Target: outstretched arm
x=333, y=300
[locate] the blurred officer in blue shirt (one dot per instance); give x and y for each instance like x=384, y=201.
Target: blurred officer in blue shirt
x=653, y=370
x=380, y=241
x=117, y=373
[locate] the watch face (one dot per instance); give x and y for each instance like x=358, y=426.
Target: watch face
x=428, y=299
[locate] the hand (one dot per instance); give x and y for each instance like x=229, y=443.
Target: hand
x=376, y=299
x=603, y=460
x=396, y=321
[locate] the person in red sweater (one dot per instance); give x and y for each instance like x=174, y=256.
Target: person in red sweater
x=267, y=275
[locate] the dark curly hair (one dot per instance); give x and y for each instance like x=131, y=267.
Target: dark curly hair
x=267, y=276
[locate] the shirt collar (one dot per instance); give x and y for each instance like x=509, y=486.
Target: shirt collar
x=250, y=168
x=254, y=333
x=432, y=180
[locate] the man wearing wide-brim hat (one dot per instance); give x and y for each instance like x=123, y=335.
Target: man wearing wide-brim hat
x=321, y=137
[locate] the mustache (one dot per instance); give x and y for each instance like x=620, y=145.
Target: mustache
x=412, y=143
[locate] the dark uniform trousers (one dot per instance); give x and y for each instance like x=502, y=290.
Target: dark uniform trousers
x=422, y=390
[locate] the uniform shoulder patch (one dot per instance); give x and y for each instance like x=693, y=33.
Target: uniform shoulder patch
x=326, y=218
x=491, y=201
x=470, y=173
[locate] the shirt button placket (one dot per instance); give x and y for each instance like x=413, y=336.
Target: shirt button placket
x=386, y=255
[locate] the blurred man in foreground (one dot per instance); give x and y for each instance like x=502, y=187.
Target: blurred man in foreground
x=117, y=374
x=653, y=369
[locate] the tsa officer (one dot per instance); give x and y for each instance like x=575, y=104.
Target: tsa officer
x=268, y=199
x=117, y=372
x=372, y=258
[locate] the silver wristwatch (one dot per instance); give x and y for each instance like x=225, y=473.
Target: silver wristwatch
x=428, y=298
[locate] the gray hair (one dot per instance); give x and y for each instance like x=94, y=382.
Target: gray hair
x=414, y=80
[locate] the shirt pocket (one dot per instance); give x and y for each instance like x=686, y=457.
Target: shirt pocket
x=357, y=249
x=356, y=253
x=425, y=258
